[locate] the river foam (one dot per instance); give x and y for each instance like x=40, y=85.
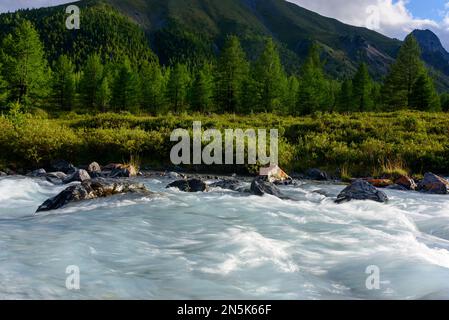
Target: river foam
x=222, y=244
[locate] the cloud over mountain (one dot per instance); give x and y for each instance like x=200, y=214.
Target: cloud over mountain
x=392, y=18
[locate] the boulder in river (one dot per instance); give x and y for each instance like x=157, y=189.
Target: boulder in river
x=63, y=166
x=79, y=175
x=434, y=184
x=259, y=187
x=122, y=171
x=190, y=185
x=228, y=184
x=380, y=183
x=91, y=189
x=94, y=167
x=275, y=174
x=2, y=174
x=174, y=175
x=316, y=174
x=56, y=177
x=38, y=173
x=361, y=190
x=406, y=182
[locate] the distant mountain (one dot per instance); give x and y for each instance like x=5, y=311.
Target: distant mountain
x=194, y=29
x=433, y=52
x=202, y=25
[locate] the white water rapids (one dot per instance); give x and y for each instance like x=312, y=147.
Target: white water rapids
x=222, y=245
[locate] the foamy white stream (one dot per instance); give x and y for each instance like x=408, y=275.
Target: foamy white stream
x=222, y=245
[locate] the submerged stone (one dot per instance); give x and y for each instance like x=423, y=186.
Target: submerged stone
x=190, y=185
x=361, y=190
x=91, y=189
x=434, y=184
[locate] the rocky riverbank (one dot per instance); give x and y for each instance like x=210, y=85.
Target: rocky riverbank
x=96, y=181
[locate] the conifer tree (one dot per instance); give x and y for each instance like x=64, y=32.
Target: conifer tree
x=203, y=89
x=177, y=87
x=291, y=96
x=104, y=94
x=126, y=88
x=24, y=66
x=362, y=86
x=398, y=85
x=152, y=87
x=444, y=101
x=345, y=101
x=270, y=78
x=424, y=96
x=4, y=92
x=233, y=69
x=64, y=83
x=313, y=84
x=91, y=81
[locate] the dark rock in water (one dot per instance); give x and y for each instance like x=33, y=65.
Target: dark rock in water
x=37, y=173
x=191, y=185
x=10, y=172
x=380, y=183
x=2, y=174
x=406, y=182
x=63, y=166
x=233, y=185
x=91, y=189
x=434, y=184
x=316, y=174
x=79, y=175
x=397, y=187
x=56, y=177
x=259, y=187
x=174, y=175
x=361, y=190
x=323, y=193
x=94, y=167
x=122, y=171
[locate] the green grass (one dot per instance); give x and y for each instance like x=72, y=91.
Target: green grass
x=366, y=144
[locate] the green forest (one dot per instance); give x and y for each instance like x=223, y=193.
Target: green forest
x=229, y=83
x=125, y=106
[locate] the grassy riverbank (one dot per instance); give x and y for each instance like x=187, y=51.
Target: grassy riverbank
x=358, y=144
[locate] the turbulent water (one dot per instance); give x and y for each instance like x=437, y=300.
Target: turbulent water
x=222, y=245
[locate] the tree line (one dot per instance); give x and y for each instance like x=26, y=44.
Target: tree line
x=228, y=84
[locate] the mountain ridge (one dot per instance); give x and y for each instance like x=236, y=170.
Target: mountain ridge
x=194, y=29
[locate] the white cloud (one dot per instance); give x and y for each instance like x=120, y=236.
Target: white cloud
x=394, y=18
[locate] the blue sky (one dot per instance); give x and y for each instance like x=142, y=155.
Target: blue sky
x=430, y=9
x=396, y=17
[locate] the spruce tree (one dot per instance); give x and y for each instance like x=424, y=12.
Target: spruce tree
x=24, y=66
x=103, y=96
x=291, y=96
x=233, y=69
x=398, y=85
x=362, y=86
x=126, y=88
x=313, y=84
x=444, y=101
x=270, y=78
x=345, y=102
x=4, y=92
x=203, y=89
x=63, y=90
x=177, y=87
x=424, y=96
x=91, y=81
x=152, y=87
